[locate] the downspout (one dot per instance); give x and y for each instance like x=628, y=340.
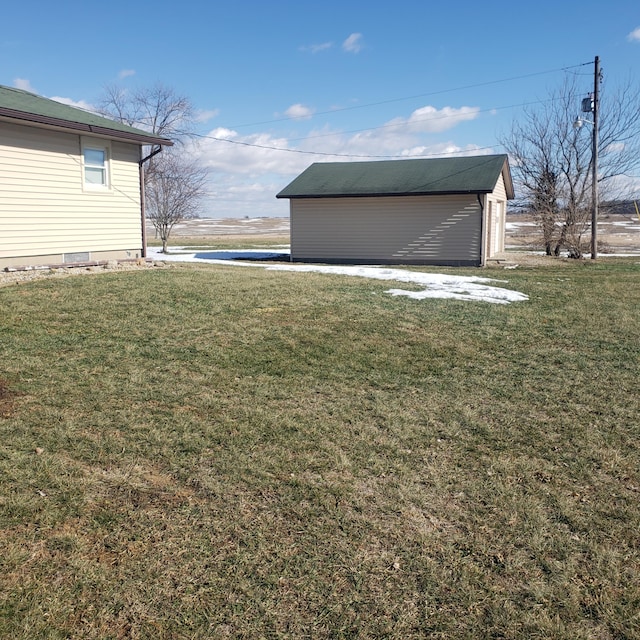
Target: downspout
x=483, y=240
x=142, y=203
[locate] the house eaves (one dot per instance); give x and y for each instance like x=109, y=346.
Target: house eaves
x=27, y=108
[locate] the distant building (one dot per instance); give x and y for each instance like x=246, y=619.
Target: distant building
x=444, y=211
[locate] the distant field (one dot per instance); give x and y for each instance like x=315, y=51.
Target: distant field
x=617, y=233
x=202, y=452
x=229, y=229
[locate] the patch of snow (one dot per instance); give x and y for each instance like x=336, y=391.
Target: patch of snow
x=510, y=226
x=435, y=285
x=613, y=255
x=622, y=223
x=248, y=254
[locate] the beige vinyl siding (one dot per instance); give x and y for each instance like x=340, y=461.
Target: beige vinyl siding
x=496, y=218
x=402, y=229
x=44, y=206
x=500, y=191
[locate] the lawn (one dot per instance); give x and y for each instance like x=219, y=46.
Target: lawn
x=213, y=243
x=222, y=452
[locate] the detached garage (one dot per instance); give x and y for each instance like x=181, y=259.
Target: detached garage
x=444, y=211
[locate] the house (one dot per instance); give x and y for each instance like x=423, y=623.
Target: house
x=70, y=184
x=444, y=211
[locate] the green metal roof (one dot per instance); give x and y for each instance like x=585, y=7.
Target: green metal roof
x=29, y=108
x=471, y=174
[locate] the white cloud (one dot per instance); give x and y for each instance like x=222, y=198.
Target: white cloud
x=254, y=155
x=445, y=149
x=402, y=136
x=259, y=154
x=233, y=197
x=78, y=104
x=353, y=44
x=126, y=73
x=625, y=187
x=428, y=119
x=317, y=48
x=299, y=112
x=204, y=115
x=616, y=147
x=247, y=170
x=223, y=132
x=634, y=36
x=24, y=84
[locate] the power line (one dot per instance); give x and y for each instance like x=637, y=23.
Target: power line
x=354, y=155
x=407, y=123
x=336, y=155
x=413, y=97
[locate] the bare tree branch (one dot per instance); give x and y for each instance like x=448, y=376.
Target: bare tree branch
x=174, y=193
x=552, y=161
x=174, y=182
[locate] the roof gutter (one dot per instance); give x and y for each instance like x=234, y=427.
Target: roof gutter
x=155, y=152
x=383, y=194
x=143, y=212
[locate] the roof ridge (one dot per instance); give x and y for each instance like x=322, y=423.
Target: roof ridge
x=416, y=176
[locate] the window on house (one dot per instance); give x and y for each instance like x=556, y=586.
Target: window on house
x=95, y=167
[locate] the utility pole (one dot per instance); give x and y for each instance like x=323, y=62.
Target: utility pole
x=594, y=168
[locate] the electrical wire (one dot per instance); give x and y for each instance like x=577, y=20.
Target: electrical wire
x=339, y=155
x=418, y=120
x=354, y=155
x=413, y=97
x=385, y=126
x=373, y=104
x=391, y=125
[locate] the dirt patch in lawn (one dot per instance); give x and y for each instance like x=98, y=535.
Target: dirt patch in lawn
x=7, y=398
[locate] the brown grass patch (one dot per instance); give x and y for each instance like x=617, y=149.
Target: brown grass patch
x=7, y=399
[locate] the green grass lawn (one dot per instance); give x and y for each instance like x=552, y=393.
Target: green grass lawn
x=220, y=452
x=212, y=243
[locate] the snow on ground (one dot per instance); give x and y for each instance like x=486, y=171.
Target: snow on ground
x=621, y=223
x=512, y=226
x=434, y=285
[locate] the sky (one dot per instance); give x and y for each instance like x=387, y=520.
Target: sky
x=280, y=84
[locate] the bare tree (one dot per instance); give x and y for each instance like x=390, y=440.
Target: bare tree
x=552, y=161
x=174, y=182
x=157, y=109
x=175, y=192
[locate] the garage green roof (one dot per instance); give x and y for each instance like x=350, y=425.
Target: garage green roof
x=470, y=174
x=28, y=108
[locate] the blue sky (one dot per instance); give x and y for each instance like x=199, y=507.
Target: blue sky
x=276, y=82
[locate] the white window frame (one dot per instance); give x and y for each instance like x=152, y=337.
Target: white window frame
x=102, y=146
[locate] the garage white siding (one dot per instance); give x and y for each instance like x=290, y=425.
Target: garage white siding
x=496, y=218
x=46, y=214
x=395, y=230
